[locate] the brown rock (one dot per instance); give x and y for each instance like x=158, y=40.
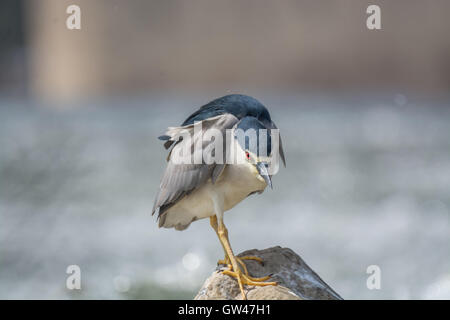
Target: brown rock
x=296, y=280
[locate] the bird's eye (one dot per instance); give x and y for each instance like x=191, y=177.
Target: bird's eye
x=247, y=155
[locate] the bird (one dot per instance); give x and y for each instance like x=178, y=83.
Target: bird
x=192, y=191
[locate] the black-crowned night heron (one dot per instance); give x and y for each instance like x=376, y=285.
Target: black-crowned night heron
x=195, y=190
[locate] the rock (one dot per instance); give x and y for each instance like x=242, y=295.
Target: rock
x=296, y=280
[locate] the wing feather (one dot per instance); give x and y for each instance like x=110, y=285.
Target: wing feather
x=180, y=179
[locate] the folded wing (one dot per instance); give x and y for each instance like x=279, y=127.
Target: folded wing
x=181, y=179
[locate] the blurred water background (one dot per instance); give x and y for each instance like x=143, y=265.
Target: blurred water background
x=366, y=183
x=364, y=116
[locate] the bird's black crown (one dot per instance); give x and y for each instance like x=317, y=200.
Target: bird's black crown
x=238, y=105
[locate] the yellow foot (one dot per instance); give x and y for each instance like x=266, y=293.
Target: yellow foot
x=247, y=280
x=251, y=258
x=227, y=262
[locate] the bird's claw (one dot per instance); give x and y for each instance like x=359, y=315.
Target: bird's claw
x=244, y=279
x=243, y=276
x=261, y=261
x=227, y=261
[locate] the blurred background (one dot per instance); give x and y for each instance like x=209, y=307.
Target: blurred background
x=364, y=115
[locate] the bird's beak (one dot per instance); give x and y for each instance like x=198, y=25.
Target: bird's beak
x=262, y=170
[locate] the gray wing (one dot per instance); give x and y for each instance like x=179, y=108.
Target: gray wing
x=181, y=179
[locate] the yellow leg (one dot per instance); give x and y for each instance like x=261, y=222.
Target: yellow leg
x=226, y=260
x=237, y=273
x=215, y=226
